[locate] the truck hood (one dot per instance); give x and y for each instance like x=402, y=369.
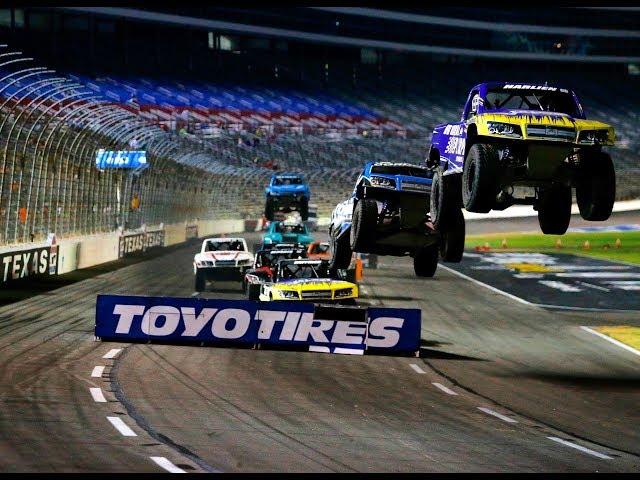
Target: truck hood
x=289, y=188
x=315, y=283
x=226, y=255
x=536, y=118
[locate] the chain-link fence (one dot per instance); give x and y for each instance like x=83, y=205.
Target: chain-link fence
x=50, y=131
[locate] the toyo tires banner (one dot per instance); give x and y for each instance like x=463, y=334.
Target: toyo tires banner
x=197, y=320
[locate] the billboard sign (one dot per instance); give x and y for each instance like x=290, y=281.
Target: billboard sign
x=296, y=324
x=121, y=159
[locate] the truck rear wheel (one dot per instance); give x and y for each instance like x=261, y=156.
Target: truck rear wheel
x=596, y=187
x=340, y=253
x=425, y=261
x=479, y=185
x=554, y=209
x=363, y=225
x=445, y=198
x=452, y=238
x=201, y=281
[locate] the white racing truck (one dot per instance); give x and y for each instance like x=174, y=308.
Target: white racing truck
x=221, y=259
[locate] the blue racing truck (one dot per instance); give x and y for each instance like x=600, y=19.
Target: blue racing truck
x=388, y=214
x=287, y=192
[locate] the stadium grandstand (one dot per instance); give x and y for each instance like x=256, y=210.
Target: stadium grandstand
x=221, y=97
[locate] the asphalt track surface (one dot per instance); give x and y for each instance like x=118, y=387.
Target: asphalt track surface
x=535, y=373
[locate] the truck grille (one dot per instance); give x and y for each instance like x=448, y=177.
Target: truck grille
x=226, y=263
x=416, y=187
x=564, y=134
x=316, y=294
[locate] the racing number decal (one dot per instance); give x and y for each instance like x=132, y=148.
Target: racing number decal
x=455, y=146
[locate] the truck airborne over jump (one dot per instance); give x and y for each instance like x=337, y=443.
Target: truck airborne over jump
x=514, y=135
x=388, y=214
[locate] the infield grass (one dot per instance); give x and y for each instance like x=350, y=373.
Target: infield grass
x=625, y=334
x=601, y=244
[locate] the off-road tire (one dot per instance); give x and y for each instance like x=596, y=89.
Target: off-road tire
x=479, y=185
x=554, y=209
x=340, y=253
x=425, y=261
x=445, y=198
x=596, y=187
x=363, y=225
x=269, y=209
x=253, y=291
x=452, y=238
x=304, y=210
x=201, y=281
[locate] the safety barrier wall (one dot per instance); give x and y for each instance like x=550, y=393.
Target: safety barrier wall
x=83, y=252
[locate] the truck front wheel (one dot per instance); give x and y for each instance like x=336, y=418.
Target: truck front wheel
x=340, y=253
x=554, y=209
x=201, y=281
x=363, y=226
x=479, y=185
x=269, y=209
x=596, y=187
x=304, y=210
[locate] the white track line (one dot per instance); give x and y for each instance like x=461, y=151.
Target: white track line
x=444, y=389
x=612, y=340
x=498, y=415
x=416, y=368
x=97, y=395
x=97, y=371
x=493, y=289
x=112, y=353
x=525, y=302
x=581, y=448
x=122, y=427
x=167, y=465
x=597, y=287
x=194, y=294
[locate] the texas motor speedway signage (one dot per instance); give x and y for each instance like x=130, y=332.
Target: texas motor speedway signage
x=26, y=263
x=138, y=243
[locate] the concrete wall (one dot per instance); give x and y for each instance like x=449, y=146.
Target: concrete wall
x=86, y=252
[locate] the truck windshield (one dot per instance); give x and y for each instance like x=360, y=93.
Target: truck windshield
x=280, y=228
x=518, y=99
x=288, y=271
x=287, y=181
x=407, y=170
x=224, y=246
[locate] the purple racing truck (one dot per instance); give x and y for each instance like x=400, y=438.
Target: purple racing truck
x=522, y=144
